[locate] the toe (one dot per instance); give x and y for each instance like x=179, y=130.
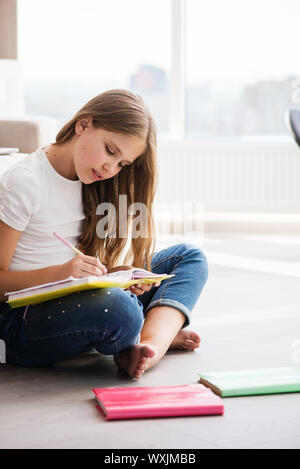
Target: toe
x=191, y=345
x=148, y=352
x=195, y=338
x=138, y=373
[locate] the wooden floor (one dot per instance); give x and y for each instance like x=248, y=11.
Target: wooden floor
x=248, y=317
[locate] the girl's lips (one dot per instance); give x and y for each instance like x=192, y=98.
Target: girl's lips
x=98, y=178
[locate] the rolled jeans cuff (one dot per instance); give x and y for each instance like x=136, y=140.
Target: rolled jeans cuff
x=174, y=304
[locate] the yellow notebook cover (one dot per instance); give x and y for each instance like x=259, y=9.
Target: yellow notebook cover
x=50, y=291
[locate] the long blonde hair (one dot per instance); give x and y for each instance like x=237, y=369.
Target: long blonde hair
x=124, y=112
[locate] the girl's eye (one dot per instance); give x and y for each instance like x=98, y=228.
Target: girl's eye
x=112, y=153
x=108, y=150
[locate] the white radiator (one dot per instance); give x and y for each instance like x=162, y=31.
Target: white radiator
x=228, y=177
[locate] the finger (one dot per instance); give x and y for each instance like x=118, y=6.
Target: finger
x=92, y=271
x=143, y=287
x=95, y=262
x=136, y=290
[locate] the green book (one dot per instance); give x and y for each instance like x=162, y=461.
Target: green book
x=250, y=382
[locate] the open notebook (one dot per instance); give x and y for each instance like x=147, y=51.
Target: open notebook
x=49, y=291
x=157, y=401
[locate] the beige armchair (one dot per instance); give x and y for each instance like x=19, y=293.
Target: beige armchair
x=27, y=133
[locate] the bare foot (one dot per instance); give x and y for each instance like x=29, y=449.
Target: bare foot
x=185, y=340
x=136, y=361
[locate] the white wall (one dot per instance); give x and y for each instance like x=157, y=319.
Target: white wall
x=12, y=102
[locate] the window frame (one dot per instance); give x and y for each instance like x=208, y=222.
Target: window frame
x=177, y=82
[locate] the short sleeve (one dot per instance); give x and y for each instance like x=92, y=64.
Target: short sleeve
x=19, y=197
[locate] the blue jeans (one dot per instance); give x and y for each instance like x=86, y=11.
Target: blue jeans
x=107, y=319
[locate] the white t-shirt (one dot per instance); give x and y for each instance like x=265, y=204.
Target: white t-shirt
x=37, y=200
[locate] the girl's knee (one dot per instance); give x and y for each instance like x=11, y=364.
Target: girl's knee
x=193, y=251
x=194, y=254
x=122, y=321
x=127, y=310
x=119, y=308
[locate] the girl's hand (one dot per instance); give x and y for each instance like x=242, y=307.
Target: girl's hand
x=139, y=289
x=82, y=266
x=134, y=289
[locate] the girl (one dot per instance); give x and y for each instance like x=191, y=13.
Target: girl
x=108, y=149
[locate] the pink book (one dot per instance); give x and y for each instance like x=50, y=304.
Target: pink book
x=157, y=401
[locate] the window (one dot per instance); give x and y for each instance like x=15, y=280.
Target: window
x=237, y=76
x=73, y=50
x=242, y=66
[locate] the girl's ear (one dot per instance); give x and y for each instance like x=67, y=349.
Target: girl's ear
x=82, y=124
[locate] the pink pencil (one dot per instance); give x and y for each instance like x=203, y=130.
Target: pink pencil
x=67, y=243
